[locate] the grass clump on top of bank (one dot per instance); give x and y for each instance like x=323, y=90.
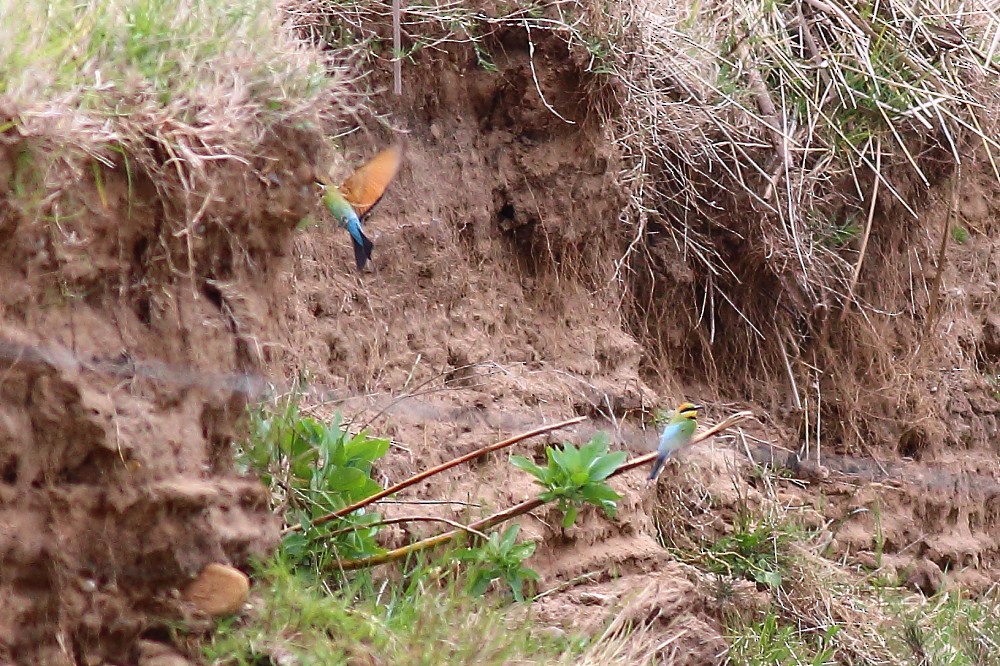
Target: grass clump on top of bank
x=152, y=81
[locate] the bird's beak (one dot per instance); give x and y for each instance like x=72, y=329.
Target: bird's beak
x=699, y=407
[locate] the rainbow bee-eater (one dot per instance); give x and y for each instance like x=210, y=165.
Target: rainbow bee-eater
x=676, y=434
x=354, y=199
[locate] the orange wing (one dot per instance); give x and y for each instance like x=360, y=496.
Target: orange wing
x=365, y=187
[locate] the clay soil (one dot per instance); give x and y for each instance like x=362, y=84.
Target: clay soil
x=490, y=306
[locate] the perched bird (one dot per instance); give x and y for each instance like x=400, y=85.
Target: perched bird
x=676, y=434
x=351, y=203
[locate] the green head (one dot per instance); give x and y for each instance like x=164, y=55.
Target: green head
x=337, y=205
x=687, y=411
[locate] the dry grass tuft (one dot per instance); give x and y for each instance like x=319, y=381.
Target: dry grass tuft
x=778, y=156
x=171, y=86
x=775, y=157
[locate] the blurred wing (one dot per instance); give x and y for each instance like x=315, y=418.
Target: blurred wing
x=365, y=187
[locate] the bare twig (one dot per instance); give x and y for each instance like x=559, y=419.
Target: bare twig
x=409, y=519
x=868, y=230
x=397, y=50
x=725, y=424
x=523, y=507
x=945, y=232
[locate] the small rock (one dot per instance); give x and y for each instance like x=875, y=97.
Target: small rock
x=218, y=590
x=153, y=653
x=595, y=599
x=924, y=576
x=552, y=633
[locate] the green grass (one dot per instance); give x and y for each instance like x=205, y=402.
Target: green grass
x=773, y=641
x=451, y=605
x=99, y=53
x=420, y=620
x=146, y=83
x=950, y=629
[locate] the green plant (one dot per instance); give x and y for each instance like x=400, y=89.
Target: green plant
x=500, y=557
x=950, y=629
x=313, y=469
x=751, y=552
x=834, y=234
x=574, y=476
x=426, y=619
x=773, y=643
x=959, y=234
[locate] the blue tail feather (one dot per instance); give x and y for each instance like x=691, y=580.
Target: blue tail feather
x=657, y=465
x=362, y=250
x=362, y=245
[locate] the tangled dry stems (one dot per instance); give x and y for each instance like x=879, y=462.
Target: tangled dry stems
x=771, y=153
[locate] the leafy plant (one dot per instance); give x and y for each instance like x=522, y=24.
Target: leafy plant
x=774, y=643
x=750, y=552
x=314, y=469
x=300, y=620
x=501, y=557
x=959, y=234
x=574, y=476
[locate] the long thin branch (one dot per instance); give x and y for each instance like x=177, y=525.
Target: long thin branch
x=936, y=287
x=410, y=519
x=436, y=470
x=523, y=507
x=725, y=424
x=868, y=232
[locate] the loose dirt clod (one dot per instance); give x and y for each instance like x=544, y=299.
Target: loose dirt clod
x=218, y=590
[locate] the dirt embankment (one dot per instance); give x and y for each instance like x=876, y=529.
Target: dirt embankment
x=497, y=299
x=116, y=477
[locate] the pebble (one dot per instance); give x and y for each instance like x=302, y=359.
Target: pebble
x=218, y=590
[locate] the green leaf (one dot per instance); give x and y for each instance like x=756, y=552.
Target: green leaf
x=596, y=493
x=295, y=543
x=770, y=578
x=466, y=554
x=602, y=438
x=527, y=465
x=571, y=458
x=530, y=574
x=523, y=550
x=516, y=588
x=570, y=517
x=509, y=537
x=346, y=479
x=605, y=466
x=480, y=583
x=592, y=451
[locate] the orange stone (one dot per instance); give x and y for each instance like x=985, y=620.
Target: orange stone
x=218, y=590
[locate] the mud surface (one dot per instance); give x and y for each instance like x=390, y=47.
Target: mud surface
x=116, y=487
x=492, y=306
